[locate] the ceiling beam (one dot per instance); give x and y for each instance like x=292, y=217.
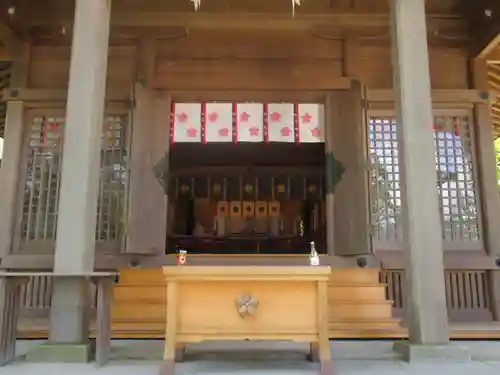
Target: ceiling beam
x=484, y=17
x=268, y=21
x=493, y=57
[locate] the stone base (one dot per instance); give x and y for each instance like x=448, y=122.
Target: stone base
x=167, y=367
x=416, y=353
x=69, y=353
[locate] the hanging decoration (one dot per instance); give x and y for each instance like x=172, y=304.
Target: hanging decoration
x=249, y=122
x=294, y=4
x=281, y=122
x=197, y=4
x=310, y=119
x=212, y=122
x=186, y=123
x=218, y=122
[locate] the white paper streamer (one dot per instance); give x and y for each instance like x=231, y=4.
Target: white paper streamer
x=295, y=3
x=197, y=3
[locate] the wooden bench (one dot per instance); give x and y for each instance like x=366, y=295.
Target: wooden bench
x=10, y=302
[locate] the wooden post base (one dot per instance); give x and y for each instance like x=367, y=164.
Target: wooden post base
x=313, y=355
x=180, y=352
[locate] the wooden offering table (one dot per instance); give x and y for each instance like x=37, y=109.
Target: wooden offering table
x=246, y=302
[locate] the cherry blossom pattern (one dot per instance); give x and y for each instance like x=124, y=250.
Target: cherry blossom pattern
x=182, y=117
x=244, y=117
x=213, y=116
x=316, y=132
x=285, y=132
x=275, y=116
x=306, y=118
x=191, y=132
x=224, y=132
x=254, y=131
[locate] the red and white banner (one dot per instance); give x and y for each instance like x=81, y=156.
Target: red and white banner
x=280, y=122
x=249, y=122
x=186, y=123
x=218, y=122
x=311, y=123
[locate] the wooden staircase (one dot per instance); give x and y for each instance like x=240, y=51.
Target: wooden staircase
x=357, y=305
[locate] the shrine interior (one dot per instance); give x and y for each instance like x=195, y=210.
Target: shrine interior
x=246, y=198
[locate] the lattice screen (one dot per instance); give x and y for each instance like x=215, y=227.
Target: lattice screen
x=385, y=178
x=43, y=176
x=455, y=180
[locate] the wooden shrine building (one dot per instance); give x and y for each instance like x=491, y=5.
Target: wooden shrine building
x=241, y=132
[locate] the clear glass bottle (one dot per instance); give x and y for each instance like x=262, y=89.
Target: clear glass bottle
x=313, y=256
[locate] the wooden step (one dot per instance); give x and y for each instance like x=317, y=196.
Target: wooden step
x=362, y=324
x=159, y=327
x=133, y=293
x=360, y=310
x=146, y=311
x=354, y=276
x=337, y=310
x=141, y=276
x=359, y=293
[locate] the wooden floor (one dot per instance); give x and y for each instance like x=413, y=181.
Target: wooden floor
x=357, y=309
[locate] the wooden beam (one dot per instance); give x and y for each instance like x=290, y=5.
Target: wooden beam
x=484, y=23
x=490, y=49
x=56, y=95
x=226, y=75
x=493, y=57
x=438, y=96
x=338, y=21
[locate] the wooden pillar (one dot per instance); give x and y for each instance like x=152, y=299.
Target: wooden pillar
x=147, y=219
x=148, y=202
x=486, y=167
x=331, y=115
x=352, y=209
x=75, y=242
x=424, y=271
x=10, y=176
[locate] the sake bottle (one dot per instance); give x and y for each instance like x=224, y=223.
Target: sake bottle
x=313, y=256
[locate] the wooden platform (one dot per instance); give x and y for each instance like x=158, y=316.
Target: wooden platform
x=357, y=309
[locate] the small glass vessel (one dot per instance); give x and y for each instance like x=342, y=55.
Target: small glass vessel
x=313, y=256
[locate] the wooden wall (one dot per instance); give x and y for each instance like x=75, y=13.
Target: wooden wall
x=448, y=66
x=256, y=60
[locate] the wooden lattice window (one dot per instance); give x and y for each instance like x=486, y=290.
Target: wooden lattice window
x=455, y=179
x=43, y=176
x=385, y=179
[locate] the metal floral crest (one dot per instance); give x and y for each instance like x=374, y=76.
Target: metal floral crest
x=197, y=4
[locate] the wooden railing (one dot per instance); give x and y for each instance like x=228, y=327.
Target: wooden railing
x=36, y=296
x=467, y=294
